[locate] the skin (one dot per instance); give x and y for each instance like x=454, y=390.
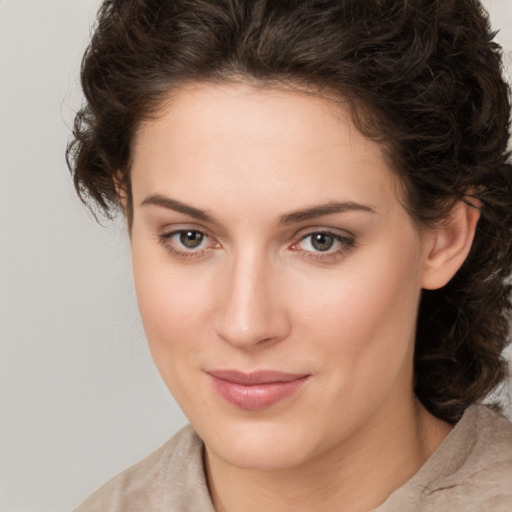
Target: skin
x=257, y=294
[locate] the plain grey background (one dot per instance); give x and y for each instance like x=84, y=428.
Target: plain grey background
x=80, y=397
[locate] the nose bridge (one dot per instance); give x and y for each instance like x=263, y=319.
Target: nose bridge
x=249, y=312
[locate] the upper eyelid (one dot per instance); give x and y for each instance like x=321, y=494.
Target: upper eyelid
x=350, y=240
x=305, y=232
x=310, y=227
x=327, y=232
x=168, y=231
x=171, y=232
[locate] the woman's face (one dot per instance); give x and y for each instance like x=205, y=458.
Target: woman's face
x=277, y=273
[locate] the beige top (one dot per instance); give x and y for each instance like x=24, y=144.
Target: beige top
x=470, y=471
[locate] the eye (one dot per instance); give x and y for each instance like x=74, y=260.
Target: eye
x=186, y=243
x=323, y=244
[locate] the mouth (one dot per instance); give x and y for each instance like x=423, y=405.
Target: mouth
x=255, y=390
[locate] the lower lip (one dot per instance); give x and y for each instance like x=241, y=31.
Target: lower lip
x=256, y=396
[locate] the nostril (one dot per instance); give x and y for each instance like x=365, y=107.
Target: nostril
x=244, y=339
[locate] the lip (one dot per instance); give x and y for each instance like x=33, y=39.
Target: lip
x=255, y=390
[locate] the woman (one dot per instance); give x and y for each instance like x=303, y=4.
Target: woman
x=319, y=200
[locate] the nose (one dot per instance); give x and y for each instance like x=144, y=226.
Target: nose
x=251, y=311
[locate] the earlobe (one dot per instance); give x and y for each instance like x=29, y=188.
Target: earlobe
x=449, y=244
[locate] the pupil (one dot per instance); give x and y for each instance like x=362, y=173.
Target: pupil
x=322, y=242
x=191, y=239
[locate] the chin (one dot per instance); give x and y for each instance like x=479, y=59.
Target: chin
x=263, y=446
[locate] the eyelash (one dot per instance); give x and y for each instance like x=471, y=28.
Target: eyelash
x=165, y=239
x=346, y=244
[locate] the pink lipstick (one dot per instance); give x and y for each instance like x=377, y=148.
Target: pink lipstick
x=255, y=390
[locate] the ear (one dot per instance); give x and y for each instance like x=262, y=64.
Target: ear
x=122, y=193
x=448, y=245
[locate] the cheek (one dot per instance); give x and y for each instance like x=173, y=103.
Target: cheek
x=172, y=312
x=368, y=293
x=173, y=303
x=363, y=317
x=168, y=303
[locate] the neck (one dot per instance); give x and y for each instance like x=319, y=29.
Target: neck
x=357, y=475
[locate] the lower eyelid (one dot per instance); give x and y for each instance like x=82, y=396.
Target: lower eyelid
x=327, y=256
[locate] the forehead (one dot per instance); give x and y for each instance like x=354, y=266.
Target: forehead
x=236, y=139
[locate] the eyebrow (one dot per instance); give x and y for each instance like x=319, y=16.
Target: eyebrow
x=177, y=206
x=312, y=212
x=324, y=209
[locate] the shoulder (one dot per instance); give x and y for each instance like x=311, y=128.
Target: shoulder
x=162, y=481
x=482, y=476
x=471, y=470
x=483, y=443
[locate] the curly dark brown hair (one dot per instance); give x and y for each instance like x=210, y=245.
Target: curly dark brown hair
x=422, y=77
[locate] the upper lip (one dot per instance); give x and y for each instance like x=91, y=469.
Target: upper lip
x=256, y=377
